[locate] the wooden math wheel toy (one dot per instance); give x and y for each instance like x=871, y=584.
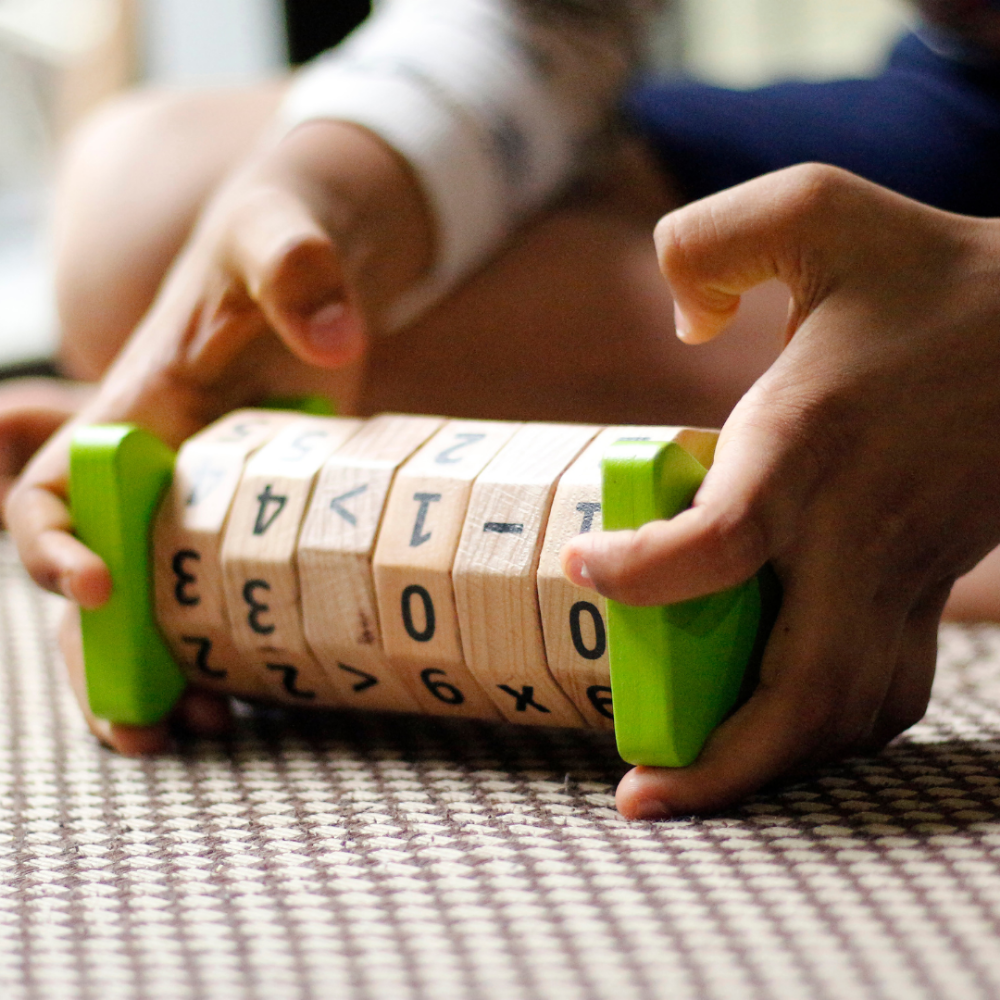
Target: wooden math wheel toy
x=402, y=563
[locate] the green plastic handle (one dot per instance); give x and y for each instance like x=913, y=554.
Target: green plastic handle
x=118, y=474
x=678, y=670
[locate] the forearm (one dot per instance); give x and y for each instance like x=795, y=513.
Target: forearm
x=494, y=104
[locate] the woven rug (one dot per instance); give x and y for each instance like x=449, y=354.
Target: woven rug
x=342, y=856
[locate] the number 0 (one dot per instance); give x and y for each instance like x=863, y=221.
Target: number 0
x=596, y=651
x=427, y=632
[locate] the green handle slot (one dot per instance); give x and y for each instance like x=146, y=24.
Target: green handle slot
x=677, y=670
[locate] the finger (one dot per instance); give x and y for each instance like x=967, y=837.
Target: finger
x=785, y=225
x=294, y=271
x=41, y=524
x=748, y=508
x=128, y=740
x=31, y=410
x=204, y=713
x=910, y=688
x=823, y=679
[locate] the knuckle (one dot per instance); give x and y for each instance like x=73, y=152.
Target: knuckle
x=684, y=239
x=632, y=574
x=813, y=189
x=737, y=540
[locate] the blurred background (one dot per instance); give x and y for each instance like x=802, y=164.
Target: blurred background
x=58, y=58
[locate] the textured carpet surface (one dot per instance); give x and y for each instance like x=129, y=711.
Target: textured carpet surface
x=351, y=857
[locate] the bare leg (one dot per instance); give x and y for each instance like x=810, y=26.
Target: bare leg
x=573, y=322
x=132, y=183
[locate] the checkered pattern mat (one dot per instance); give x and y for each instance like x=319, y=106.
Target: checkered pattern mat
x=351, y=857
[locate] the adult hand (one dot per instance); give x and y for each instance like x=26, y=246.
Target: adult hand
x=864, y=465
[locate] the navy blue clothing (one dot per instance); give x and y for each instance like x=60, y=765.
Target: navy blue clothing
x=928, y=127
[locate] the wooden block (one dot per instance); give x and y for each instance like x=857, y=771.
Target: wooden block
x=494, y=573
x=187, y=543
x=258, y=557
x=334, y=559
x=574, y=620
x=416, y=547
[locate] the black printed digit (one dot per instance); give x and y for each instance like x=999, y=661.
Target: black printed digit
x=588, y=510
x=208, y=476
x=204, y=649
x=418, y=536
x=367, y=680
x=600, y=697
x=271, y=505
x=257, y=608
x=596, y=651
x=184, y=578
x=289, y=680
x=239, y=431
x=447, y=457
x=304, y=444
x=406, y=606
x=441, y=690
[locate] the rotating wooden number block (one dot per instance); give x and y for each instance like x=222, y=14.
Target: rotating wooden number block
x=187, y=543
x=495, y=573
x=412, y=566
x=460, y=541
x=574, y=620
x=258, y=557
x=334, y=560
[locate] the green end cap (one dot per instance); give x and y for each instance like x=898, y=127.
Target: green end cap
x=118, y=473
x=676, y=671
x=313, y=406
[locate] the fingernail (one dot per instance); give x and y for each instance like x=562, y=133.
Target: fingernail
x=576, y=570
x=336, y=332
x=651, y=809
x=326, y=324
x=681, y=324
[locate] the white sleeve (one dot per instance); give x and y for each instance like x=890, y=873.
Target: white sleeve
x=490, y=101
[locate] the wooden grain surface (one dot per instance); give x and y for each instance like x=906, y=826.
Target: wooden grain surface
x=187, y=545
x=413, y=559
x=334, y=557
x=495, y=569
x=258, y=556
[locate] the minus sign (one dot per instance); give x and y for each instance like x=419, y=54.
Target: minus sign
x=503, y=527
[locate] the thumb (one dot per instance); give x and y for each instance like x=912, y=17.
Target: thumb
x=295, y=272
x=791, y=225
x=747, y=509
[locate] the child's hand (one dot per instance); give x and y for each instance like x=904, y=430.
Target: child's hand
x=313, y=240
x=865, y=465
